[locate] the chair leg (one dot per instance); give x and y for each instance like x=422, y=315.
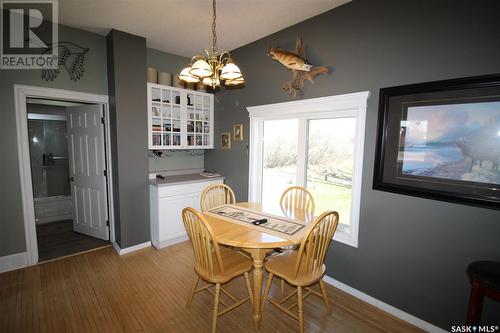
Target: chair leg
x=266, y=291
x=301, y=310
x=247, y=282
x=216, y=307
x=475, y=304
x=282, y=287
x=325, y=295
x=193, y=289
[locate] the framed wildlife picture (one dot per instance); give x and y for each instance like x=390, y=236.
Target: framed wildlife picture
x=238, y=132
x=441, y=140
x=225, y=140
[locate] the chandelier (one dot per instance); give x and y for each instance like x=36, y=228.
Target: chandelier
x=211, y=68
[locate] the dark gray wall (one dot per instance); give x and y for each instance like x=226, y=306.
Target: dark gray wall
x=94, y=80
x=412, y=252
x=165, y=62
x=127, y=92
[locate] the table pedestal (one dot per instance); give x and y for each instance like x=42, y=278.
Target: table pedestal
x=258, y=256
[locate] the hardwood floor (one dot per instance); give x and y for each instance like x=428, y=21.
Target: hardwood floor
x=146, y=291
x=57, y=239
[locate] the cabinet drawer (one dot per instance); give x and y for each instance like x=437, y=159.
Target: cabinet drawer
x=182, y=189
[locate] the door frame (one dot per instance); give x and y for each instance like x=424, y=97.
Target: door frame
x=21, y=93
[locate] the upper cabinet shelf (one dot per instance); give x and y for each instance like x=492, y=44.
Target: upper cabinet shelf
x=179, y=118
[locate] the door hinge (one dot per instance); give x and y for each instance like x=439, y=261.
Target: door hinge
x=105, y=173
x=102, y=120
x=107, y=223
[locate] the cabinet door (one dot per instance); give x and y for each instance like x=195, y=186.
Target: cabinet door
x=171, y=114
x=199, y=122
x=171, y=224
x=154, y=118
x=208, y=121
x=164, y=117
x=194, y=120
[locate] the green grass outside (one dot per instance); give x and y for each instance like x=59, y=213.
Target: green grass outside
x=332, y=197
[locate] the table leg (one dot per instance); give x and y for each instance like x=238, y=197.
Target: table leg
x=258, y=256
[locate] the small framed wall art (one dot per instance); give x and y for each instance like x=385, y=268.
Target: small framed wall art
x=225, y=140
x=238, y=132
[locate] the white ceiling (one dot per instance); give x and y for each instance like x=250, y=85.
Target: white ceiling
x=183, y=26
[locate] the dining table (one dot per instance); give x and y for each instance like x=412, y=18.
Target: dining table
x=258, y=240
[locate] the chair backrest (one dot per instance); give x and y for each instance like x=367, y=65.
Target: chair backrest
x=315, y=244
x=216, y=195
x=297, y=197
x=204, y=244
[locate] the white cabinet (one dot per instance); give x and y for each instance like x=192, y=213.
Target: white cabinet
x=170, y=208
x=179, y=118
x=167, y=203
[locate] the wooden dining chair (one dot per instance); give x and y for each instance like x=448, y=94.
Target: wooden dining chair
x=216, y=195
x=304, y=267
x=297, y=197
x=213, y=264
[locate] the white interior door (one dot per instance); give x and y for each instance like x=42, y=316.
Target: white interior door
x=87, y=170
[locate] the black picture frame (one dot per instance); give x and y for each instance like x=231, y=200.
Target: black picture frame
x=449, y=180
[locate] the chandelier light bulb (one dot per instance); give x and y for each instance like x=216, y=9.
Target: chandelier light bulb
x=187, y=77
x=207, y=81
x=201, y=69
x=230, y=72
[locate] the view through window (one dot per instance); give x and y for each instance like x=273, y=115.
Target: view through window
x=280, y=158
x=315, y=143
x=330, y=156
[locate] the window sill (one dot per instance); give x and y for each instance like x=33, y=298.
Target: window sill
x=345, y=235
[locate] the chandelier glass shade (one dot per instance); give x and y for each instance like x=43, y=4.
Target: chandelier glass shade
x=235, y=82
x=187, y=77
x=212, y=68
x=201, y=69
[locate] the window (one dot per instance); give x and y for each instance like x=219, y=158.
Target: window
x=316, y=143
x=330, y=160
x=279, y=170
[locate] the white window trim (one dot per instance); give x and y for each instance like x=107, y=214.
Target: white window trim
x=346, y=105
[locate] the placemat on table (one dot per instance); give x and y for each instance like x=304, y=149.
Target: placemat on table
x=247, y=216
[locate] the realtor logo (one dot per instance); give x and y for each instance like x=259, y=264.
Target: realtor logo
x=29, y=29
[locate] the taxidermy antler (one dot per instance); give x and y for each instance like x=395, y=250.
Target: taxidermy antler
x=296, y=62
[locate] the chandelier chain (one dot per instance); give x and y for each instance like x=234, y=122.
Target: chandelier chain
x=214, y=32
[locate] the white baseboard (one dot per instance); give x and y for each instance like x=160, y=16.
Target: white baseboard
x=384, y=306
x=169, y=242
x=131, y=248
x=13, y=262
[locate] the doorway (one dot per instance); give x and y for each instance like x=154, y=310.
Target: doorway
x=64, y=154
x=69, y=219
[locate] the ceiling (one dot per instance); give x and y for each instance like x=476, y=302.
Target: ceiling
x=183, y=26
